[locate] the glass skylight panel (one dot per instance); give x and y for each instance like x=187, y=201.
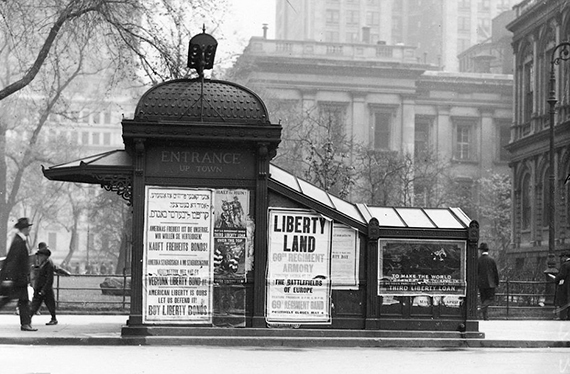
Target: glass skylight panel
x=443, y=218
x=461, y=215
x=315, y=193
x=386, y=216
x=281, y=176
x=414, y=217
x=347, y=208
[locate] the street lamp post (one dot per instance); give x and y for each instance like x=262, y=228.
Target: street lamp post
x=563, y=50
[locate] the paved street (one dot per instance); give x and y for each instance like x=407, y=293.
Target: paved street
x=17, y=359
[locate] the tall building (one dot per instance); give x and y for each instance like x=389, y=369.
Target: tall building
x=439, y=29
x=538, y=28
x=389, y=101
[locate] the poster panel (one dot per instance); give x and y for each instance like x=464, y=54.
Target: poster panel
x=299, y=267
x=233, y=255
x=177, y=264
x=345, y=257
x=421, y=267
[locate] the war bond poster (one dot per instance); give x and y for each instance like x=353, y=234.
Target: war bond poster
x=233, y=255
x=177, y=268
x=421, y=267
x=299, y=266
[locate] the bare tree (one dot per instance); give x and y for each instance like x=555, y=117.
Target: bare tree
x=45, y=45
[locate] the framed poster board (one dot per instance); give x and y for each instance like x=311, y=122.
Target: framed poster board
x=299, y=267
x=177, y=256
x=408, y=267
x=345, y=257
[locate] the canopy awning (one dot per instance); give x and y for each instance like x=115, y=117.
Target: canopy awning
x=113, y=170
x=93, y=169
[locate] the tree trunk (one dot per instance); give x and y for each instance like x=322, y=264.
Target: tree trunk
x=4, y=211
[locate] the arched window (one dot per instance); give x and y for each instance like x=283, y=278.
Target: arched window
x=527, y=87
x=525, y=202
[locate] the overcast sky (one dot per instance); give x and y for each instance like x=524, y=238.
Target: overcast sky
x=250, y=15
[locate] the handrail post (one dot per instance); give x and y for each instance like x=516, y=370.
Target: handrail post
x=57, y=291
x=508, y=297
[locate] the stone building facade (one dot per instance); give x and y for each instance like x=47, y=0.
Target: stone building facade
x=538, y=28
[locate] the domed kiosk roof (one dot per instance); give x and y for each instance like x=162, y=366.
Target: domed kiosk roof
x=189, y=100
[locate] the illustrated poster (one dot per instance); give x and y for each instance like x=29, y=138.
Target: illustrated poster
x=421, y=267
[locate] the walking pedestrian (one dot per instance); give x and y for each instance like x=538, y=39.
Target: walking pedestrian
x=14, y=276
x=43, y=284
x=488, y=279
x=562, y=282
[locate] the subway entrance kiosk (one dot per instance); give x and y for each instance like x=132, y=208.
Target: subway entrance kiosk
x=221, y=237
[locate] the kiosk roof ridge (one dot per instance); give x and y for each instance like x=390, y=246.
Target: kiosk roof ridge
x=197, y=100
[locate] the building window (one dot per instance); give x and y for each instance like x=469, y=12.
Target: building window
x=96, y=138
x=352, y=17
x=107, y=138
x=528, y=90
x=463, y=44
x=331, y=122
x=96, y=118
x=85, y=137
x=504, y=140
x=421, y=138
x=464, y=4
x=519, y=264
x=74, y=137
x=463, y=24
x=484, y=5
x=464, y=139
x=332, y=37
x=107, y=118
x=525, y=202
x=382, y=127
x=332, y=16
x=372, y=18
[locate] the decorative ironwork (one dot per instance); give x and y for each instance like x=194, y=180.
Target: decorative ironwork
x=120, y=184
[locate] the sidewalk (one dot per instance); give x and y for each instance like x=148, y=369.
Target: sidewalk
x=106, y=330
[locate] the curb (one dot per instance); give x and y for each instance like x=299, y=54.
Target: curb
x=290, y=342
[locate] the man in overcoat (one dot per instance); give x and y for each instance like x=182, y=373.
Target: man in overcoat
x=488, y=279
x=562, y=281
x=14, y=276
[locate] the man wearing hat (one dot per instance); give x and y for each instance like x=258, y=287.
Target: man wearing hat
x=562, y=280
x=15, y=272
x=43, y=283
x=488, y=279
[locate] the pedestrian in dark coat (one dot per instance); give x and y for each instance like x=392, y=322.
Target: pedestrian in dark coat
x=488, y=279
x=14, y=276
x=43, y=283
x=562, y=281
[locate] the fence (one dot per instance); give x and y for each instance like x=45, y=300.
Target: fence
x=524, y=300
x=99, y=294
x=84, y=294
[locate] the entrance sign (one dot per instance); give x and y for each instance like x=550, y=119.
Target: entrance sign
x=299, y=267
x=421, y=267
x=345, y=257
x=177, y=263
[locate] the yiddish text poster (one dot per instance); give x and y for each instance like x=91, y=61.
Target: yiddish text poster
x=177, y=269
